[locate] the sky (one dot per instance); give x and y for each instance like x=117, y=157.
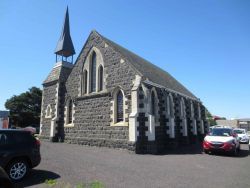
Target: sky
x=205, y=44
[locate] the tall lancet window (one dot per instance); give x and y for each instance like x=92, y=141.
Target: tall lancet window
x=153, y=103
x=93, y=72
x=100, y=78
x=70, y=107
x=85, y=81
x=119, y=107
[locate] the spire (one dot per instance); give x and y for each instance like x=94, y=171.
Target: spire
x=65, y=46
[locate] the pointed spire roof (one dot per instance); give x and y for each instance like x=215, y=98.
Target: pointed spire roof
x=65, y=46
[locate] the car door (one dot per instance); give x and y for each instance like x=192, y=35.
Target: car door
x=5, y=147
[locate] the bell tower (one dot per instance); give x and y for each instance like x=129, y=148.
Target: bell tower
x=54, y=89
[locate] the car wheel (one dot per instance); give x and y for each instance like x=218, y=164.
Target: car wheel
x=235, y=152
x=17, y=169
x=205, y=151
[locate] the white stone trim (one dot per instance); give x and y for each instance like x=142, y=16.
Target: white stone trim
x=122, y=60
x=156, y=116
x=201, y=122
x=194, y=123
x=183, y=117
x=133, y=123
x=151, y=128
x=66, y=114
x=53, y=123
x=41, y=118
x=169, y=113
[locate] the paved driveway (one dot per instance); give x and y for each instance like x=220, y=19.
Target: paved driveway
x=76, y=164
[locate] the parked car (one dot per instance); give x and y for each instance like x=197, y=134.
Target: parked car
x=5, y=181
x=221, y=139
x=19, y=152
x=242, y=134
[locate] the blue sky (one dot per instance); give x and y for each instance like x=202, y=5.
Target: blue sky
x=204, y=44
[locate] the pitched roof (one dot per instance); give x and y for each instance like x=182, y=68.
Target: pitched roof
x=61, y=70
x=150, y=71
x=65, y=45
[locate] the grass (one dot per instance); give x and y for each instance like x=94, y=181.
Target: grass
x=53, y=183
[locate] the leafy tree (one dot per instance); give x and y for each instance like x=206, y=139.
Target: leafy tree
x=25, y=108
x=210, y=118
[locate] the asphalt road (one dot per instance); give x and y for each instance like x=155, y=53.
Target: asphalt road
x=190, y=168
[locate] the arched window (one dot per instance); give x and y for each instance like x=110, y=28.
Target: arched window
x=119, y=107
x=100, y=78
x=93, y=72
x=85, y=82
x=48, y=111
x=70, y=107
x=183, y=113
x=171, y=105
x=152, y=103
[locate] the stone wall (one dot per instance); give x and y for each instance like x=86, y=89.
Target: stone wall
x=49, y=95
x=92, y=124
x=92, y=112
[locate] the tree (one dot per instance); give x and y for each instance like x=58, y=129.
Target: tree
x=25, y=108
x=210, y=118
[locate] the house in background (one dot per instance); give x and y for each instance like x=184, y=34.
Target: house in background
x=243, y=123
x=4, y=119
x=112, y=97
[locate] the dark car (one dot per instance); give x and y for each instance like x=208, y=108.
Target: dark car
x=5, y=181
x=19, y=152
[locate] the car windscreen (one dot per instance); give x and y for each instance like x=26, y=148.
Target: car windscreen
x=238, y=131
x=221, y=132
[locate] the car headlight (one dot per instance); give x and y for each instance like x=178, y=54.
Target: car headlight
x=231, y=142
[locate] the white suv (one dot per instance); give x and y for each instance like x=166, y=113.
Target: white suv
x=243, y=137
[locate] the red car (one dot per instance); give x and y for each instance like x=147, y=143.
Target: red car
x=221, y=140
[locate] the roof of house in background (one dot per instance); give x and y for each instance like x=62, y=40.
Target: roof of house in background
x=4, y=114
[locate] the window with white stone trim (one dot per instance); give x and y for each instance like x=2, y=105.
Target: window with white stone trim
x=93, y=73
x=84, y=82
x=93, y=80
x=153, y=103
x=100, y=78
x=69, y=113
x=119, y=107
x=48, y=111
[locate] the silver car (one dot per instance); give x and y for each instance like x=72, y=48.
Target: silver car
x=242, y=134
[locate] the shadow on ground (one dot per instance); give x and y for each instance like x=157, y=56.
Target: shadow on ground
x=36, y=177
x=197, y=149
x=182, y=150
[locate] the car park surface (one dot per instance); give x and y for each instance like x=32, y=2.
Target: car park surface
x=189, y=167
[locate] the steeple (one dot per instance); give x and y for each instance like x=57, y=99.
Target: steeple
x=65, y=47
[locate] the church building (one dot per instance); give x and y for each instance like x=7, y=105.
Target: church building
x=112, y=97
